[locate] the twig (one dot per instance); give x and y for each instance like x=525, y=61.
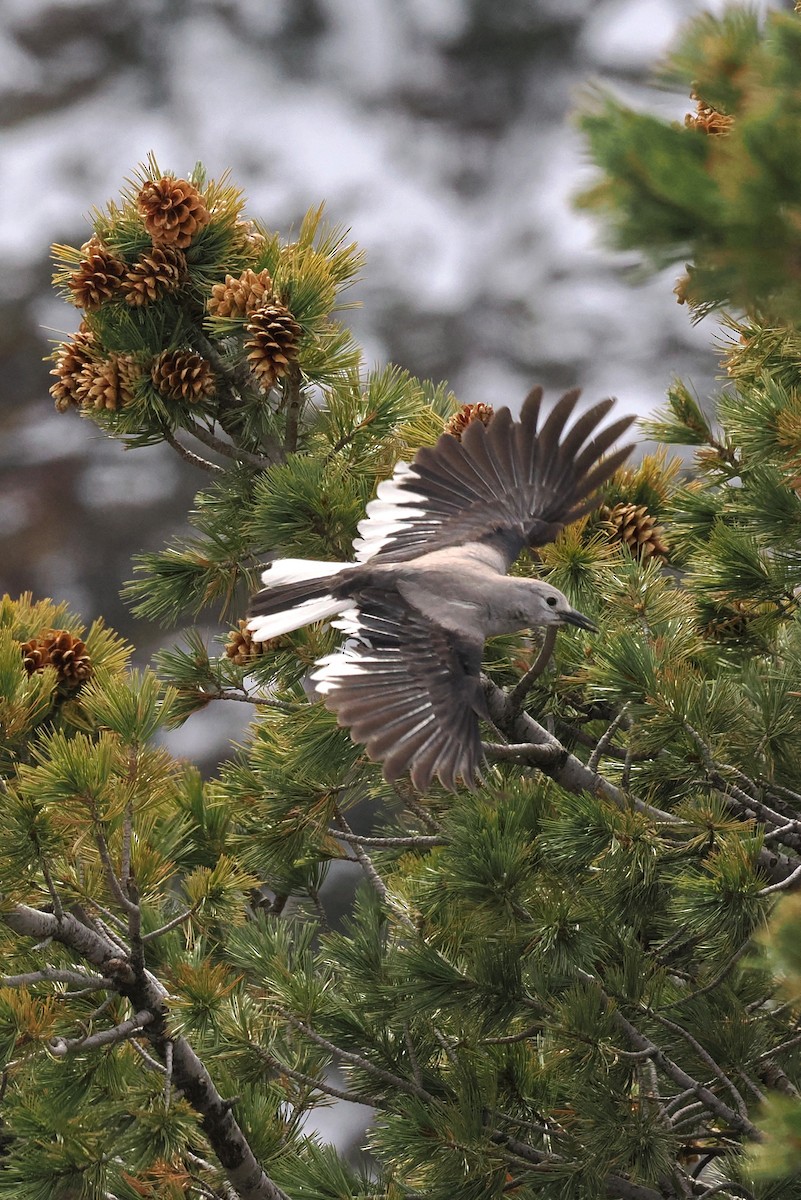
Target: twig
x=226, y=448
x=706, y=1058
x=768, y=1054
x=53, y=975
x=328, y=1089
x=356, y=1060
x=605, y=740
x=151, y=1062
x=422, y=841
x=783, y=885
x=420, y=812
x=58, y=910
x=189, y=456
x=736, y=1189
x=370, y=871
x=510, y=1038
x=293, y=398
x=265, y=701
x=60, y=1047
x=521, y=689
x=113, y=882
x=167, y=1074
x=718, y=978
x=173, y=924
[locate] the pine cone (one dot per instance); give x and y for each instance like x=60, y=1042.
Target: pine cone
x=239, y=297
x=247, y=238
x=457, y=424
x=97, y=277
x=633, y=525
x=182, y=375
x=241, y=648
x=708, y=119
x=273, y=344
x=60, y=649
x=173, y=211
x=110, y=382
x=71, y=359
x=158, y=270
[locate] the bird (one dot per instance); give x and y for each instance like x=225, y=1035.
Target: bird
x=429, y=583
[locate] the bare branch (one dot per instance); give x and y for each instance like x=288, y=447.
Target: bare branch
x=422, y=841
x=227, y=449
x=194, y=460
x=173, y=924
x=76, y=978
x=61, y=1047
x=706, y=1058
x=783, y=885
x=605, y=740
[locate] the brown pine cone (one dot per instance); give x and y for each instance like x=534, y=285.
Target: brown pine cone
x=239, y=297
x=708, y=119
x=182, y=375
x=468, y=413
x=97, y=277
x=173, y=211
x=60, y=649
x=634, y=526
x=71, y=359
x=158, y=270
x=110, y=382
x=241, y=648
x=273, y=343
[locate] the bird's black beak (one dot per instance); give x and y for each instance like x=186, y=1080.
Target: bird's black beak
x=576, y=618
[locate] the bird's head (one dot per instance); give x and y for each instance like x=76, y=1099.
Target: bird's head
x=549, y=606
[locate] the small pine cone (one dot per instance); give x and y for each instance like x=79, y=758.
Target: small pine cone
x=241, y=648
x=60, y=649
x=97, y=277
x=273, y=344
x=71, y=359
x=173, y=211
x=158, y=270
x=247, y=237
x=633, y=525
x=110, y=382
x=468, y=413
x=182, y=375
x=242, y=296
x=708, y=119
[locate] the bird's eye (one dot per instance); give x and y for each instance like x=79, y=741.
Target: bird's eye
x=551, y=601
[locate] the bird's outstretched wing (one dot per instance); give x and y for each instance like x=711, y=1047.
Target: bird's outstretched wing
x=408, y=690
x=506, y=485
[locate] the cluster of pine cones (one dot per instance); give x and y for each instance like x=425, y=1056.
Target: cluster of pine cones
x=60, y=649
x=174, y=214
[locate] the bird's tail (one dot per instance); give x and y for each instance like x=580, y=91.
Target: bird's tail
x=296, y=592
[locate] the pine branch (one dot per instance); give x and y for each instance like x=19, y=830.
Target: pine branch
x=227, y=449
x=190, y=1075
x=414, y=842
x=574, y=776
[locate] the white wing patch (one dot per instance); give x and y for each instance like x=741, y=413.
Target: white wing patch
x=388, y=513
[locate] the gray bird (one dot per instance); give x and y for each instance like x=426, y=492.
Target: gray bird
x=429, y=583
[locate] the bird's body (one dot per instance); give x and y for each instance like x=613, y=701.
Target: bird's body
x=429, y=584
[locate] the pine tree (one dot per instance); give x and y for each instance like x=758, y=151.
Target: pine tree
x=560, y=986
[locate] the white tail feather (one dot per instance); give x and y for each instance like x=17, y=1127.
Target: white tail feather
x=276, y=624
x=294, y=570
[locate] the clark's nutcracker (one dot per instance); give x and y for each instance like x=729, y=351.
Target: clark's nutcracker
x=429, y=583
